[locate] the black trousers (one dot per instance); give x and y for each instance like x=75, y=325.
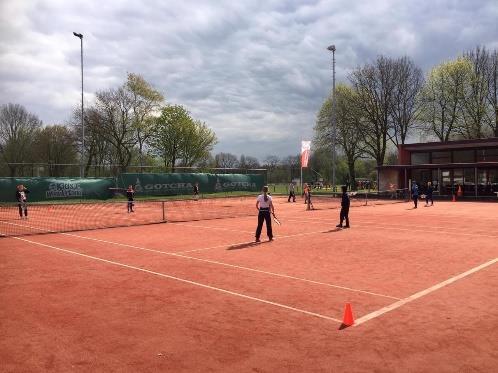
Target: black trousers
x=293, y=196
x=429, y=198
x=415, y=200
x=23, y=207
x=262, y=216
x=344, y=214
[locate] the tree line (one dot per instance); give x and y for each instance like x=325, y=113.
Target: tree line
x=389, y=100
x=130, y=124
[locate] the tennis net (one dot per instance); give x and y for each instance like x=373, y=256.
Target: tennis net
x=358, y=199
x=67, y=217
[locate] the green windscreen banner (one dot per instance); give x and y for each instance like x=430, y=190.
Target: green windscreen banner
x=56, y=188
x=175, y=184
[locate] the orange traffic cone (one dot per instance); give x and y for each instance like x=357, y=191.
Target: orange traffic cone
x=454, y=198
x=348, y=315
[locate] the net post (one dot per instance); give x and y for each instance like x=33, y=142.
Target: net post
x=164, y=213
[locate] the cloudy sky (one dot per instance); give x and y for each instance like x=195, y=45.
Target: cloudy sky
x=255, y=71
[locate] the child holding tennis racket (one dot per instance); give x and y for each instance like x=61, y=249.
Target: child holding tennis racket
x=21, y=196
x=130, y=193
x=264, y=205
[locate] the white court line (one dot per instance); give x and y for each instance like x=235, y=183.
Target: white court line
x=422, y=293
x=236, y=266
x=241, y=243
x=216, y=228
x=399, y=227
x=179, y=254
x=185, y=281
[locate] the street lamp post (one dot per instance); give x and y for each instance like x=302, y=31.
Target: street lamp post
x=332, y=49
x=80, y=36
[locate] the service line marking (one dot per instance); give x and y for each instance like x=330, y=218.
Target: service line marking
x=235, y=266
x=240, y=295
x=180, y=255
x=422, y=293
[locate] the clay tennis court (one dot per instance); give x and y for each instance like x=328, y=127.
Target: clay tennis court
x=199, y=296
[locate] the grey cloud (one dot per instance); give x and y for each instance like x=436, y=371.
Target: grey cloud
x=256, y=71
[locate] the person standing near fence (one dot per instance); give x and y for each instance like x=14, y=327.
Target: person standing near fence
x=415, y=193
x=130, y=194
x=22, y=198
x=292, y=193
x=264, y=205
x=345, y=203
x=196, y=191
x=428, y=196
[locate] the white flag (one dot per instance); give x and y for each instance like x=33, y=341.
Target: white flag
x=305, y=153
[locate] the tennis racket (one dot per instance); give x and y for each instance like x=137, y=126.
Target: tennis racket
x=276, y=220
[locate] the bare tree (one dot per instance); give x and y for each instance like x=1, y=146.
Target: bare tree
x=374, y=86
x=475, y=107
x=248, y=162
x=17, y=127
x=56, y=146
x=493, y=91
x=349, y=122
x=408, y=81
x=226, y=160
x=114, y=108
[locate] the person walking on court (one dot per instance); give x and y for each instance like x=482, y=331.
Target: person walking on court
x=292, y=193
x=428, y=195
x=22, y=198
x=345, y=203
x=415, y=193
x=196, y=191
x=130, y=194
x=264, y=205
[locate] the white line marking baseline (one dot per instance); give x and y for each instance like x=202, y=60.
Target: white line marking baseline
x=422, y=293
x=184, y=281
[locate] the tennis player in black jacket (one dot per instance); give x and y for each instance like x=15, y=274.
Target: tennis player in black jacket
x=344, y=208
x=21, y=196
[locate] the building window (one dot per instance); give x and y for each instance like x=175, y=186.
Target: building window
x=463, y=156
x=419, y=158
x=441, y=157
x=487, y=155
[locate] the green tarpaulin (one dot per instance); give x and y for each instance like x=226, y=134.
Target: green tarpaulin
x=56, y=188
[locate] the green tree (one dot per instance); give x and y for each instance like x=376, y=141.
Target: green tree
x=179, y=139
x=442, y=96
x=145, y=102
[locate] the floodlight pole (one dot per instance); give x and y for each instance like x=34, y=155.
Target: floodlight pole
x=333, y=118
x=82, y=158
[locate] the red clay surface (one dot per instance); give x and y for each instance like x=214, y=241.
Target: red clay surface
x=200, y=297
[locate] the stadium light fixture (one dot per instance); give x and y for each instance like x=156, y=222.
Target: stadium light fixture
x=80, y=36
x=333, y=118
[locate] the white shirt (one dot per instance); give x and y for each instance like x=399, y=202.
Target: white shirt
x=262, y=202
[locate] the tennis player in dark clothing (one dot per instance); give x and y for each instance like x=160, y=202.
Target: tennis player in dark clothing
x=415, y=194
x=264, y=205
x=428, y=195
x=21, y=197
x=345, y=203
x=196, y=191
x=130, y=193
